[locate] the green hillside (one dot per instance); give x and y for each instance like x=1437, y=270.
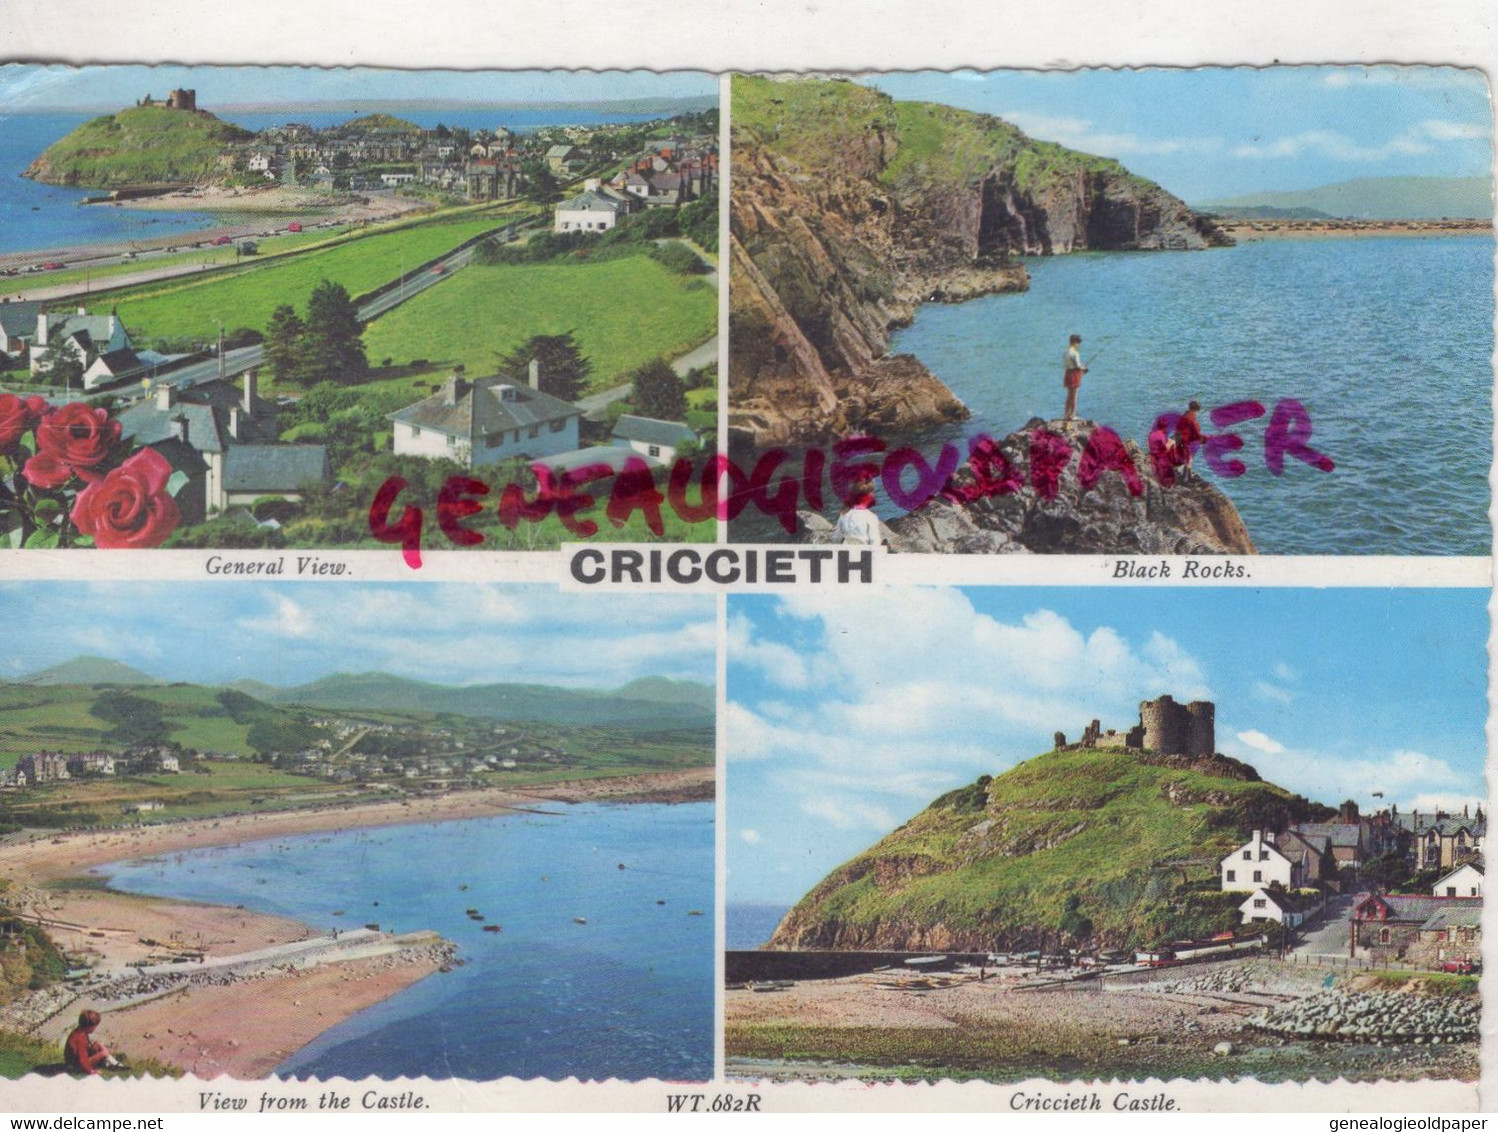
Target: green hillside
x=89, y=670
x=995, y=863
x=382, y=122
x=660, y=690
x=917, y=143
x=498, y=701
x=140, y=146
x=1378, y=198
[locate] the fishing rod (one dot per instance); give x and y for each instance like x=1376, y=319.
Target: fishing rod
x=1101, y=347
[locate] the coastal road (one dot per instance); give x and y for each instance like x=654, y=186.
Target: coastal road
x=702, y=355
x=1328, y=935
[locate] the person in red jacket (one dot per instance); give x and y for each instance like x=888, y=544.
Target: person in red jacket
x=81, y=1053
x=1188, y=435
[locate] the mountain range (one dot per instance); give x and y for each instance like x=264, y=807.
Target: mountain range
x=651, y=702
x=1374, y=198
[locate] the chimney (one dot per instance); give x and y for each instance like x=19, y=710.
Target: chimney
x=114, y=322
x=41, y=328
x=166, y=397
x=535, y=373
x=452, y=389
x=592, y=184
x=251, y=392
x=179, y=427
x=234, y=422
x=83, y=311
x=1269, y=836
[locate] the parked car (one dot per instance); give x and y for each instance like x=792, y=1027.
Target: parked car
x=1461, y=966
x=293, y=227
x=223, y=240
x=53, y=265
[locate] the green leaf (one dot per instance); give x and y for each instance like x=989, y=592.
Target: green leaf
x=44, y=539
x=28, y=443
x=46, y=510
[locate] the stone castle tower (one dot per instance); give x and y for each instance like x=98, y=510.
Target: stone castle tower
x=1169, y=728
x=182, y=100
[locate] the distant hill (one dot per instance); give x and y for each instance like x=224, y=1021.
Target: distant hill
x=383, y=122
x=1269, y=212
x=661, y=690
x=1074, y=843
x=88, y=670
x=648, y=704
x=1376, y=198
x=505, y=701
x=143, y=146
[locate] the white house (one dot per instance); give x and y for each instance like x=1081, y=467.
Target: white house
x=592, y=210
x=1463, y=881
x=390, y=180
x=486, y=421
x=656, y=440
x=98, y=341
x=1263, y=904
x=1256, y=865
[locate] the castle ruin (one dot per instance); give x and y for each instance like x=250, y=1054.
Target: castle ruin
x=178, y=99
x=1165, y=727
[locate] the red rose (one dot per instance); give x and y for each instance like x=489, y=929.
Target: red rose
x=17, y=415
x=130, y=507
x=74, y=438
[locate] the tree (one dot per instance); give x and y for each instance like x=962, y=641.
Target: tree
x=540, y=183
x=1073, y=923
x=332, y=348
x=61, y=366
x=659, y=392
x=283, y=342
x=564, y=369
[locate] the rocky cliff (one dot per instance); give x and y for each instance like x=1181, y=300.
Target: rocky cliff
x=996, y=864
x=850, y=209
x=1067, y=511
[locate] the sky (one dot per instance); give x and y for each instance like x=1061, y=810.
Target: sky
x=847, y=717
x=1221, y=132
x=292, y=633
x=25, y=87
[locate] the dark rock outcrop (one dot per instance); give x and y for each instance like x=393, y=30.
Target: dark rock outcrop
x=842, y=225
x=1190, y=517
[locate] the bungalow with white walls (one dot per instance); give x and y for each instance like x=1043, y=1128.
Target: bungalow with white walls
x=486, y=421
x=1258, y=864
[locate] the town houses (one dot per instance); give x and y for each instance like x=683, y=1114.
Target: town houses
x=671, y=174
x=1430, y=914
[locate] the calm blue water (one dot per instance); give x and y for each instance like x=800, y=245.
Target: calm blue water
x=747, y=926
x=1387, y=342
x=35, y=216
x=629, y=994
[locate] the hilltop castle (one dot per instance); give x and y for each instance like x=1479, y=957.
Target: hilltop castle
x=1165, y=727
x=175, y=100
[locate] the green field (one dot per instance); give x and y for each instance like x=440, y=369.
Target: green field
x=625, y=312
x=246, y=296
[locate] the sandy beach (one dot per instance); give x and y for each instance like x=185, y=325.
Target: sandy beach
x=1163, y=1024
x=248, y=1026
x=1249, y=231
x=273, y=207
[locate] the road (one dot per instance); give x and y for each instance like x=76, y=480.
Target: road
x=1328, y=935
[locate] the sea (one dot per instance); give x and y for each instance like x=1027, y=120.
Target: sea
x=748, y=926
x=628, y=994
x=35, y=216
x=1386, y=342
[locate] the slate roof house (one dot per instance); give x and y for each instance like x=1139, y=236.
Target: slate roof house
x=225, y=443
x=592, y=210
x=98, y=340
x=486, y=421
x=1443, y=841
x=18, y=326
x=1389, y=926
x=1258, y=864
x=1463, y=881
x=656, y=440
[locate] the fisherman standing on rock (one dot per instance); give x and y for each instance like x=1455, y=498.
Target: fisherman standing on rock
x=1074, y=369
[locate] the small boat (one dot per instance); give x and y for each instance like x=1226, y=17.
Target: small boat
x=660, y=901
x=621, y=864
x=470, y=911
x=579, y=919
x=373, y=927
x=494, y=927
x=462, y=888
x=696, y=912
x=338, y=912
x=476, y=917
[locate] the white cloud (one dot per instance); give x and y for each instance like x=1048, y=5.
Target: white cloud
x=1260, y=742
x=1267, y=691
x=1078, y=133
x=1285, y=672
x=849, y=813
x=287, y=620
x=750, y=836
x=1417, y=139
